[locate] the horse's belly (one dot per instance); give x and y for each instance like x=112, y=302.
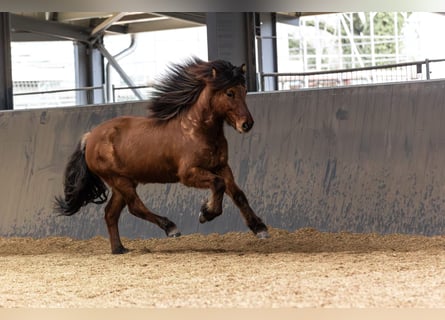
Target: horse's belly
x=153, y=178
x=156, y=174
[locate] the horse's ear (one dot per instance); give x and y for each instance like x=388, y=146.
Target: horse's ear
x=213, y=73
x=243, y=68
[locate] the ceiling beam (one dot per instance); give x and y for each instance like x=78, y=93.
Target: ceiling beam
x=53, y=29
x=103, y=26
x=137, y=17
x=195, y=17
x=76, y=16
x=158, y=25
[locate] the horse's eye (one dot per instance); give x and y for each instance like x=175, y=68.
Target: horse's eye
x=230, y=94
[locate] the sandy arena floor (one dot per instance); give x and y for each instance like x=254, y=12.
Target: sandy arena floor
x=305, y=268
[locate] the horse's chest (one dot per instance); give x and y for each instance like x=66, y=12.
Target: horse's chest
x=213, y=156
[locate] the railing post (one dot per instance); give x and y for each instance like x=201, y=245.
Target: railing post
x=427, y=67
x=419, y=70
x=262, y=82
x=104, y=93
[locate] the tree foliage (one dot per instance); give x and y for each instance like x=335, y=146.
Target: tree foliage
x=385, y=28
x=377, y=38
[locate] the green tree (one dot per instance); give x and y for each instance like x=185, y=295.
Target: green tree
x=384, y=28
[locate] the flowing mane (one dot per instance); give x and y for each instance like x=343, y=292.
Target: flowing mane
x=181, y=86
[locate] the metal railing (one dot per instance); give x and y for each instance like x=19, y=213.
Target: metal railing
x=129, y=95
x=60, y=97
x=408, y=71
x=79, y=96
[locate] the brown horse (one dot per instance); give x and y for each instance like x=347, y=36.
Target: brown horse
x=182, y=140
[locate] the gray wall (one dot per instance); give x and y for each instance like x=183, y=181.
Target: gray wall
x=359, y=159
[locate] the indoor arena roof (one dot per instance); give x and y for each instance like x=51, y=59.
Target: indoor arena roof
x=83, y=25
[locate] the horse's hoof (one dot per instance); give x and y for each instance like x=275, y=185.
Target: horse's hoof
x=205, y=215
x=263, y=235
x=174, y=233
x=202, y=218
x=120, y=250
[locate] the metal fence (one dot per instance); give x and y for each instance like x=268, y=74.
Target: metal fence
x=127, y=93
x=58, y=97
x=79, y=96
x=408, y=71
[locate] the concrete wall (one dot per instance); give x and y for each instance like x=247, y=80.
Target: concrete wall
x=359, y=159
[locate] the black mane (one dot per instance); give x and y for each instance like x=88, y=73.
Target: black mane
x=181, y=86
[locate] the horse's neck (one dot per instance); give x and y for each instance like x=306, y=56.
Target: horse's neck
x=203, y=119
x=202, y=122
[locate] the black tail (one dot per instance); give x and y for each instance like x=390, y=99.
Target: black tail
x=81, y=186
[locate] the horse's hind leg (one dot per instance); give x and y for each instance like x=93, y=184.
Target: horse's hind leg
x=112, y=213
x=239, y=198
x=127, y=189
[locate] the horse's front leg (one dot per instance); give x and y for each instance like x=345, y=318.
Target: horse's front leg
x=203, y=179
x=239, y=198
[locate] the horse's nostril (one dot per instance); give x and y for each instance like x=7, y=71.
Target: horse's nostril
x=246, y=126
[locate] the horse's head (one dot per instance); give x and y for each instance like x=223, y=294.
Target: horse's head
x=230, y=101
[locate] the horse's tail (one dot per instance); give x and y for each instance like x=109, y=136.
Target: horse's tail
x=81, y=186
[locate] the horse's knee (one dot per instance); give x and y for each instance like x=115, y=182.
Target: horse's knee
x=219, y=185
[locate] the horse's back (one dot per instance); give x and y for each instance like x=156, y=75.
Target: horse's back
x=109, y=134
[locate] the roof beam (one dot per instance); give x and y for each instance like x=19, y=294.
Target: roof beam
x=157, y=25
x=76, y=16
x=104, y=25
x=54, y=29
x=138, y=17
x=195, y=17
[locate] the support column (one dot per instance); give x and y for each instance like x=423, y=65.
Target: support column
x=89, y=73
x=6, y=98
x=267, y=49
x=96, y=74
x=231, y=37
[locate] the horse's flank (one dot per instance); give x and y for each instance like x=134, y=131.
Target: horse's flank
x=134, y=147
